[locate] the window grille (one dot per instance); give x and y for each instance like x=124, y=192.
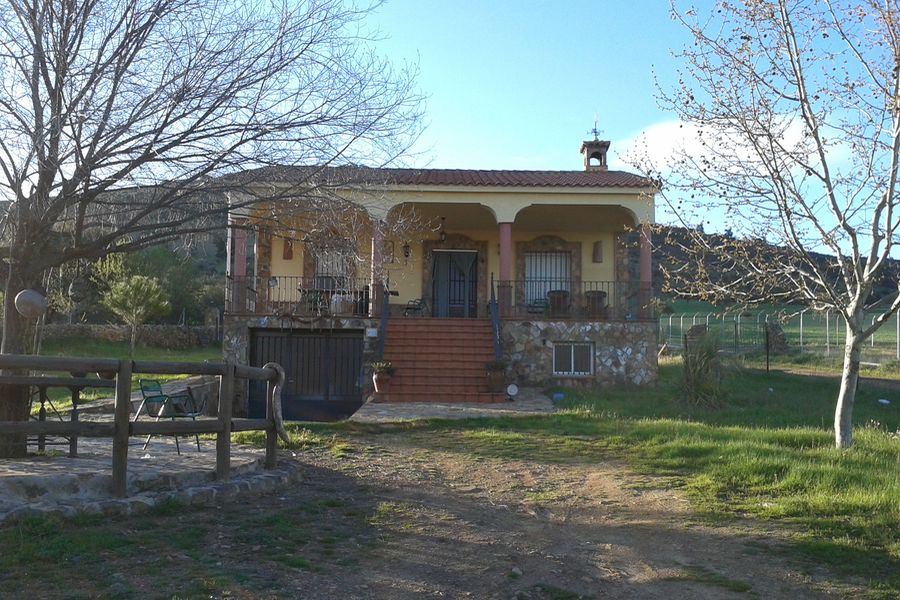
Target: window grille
x=573, y=358
x=332, y=269
x=546, y=271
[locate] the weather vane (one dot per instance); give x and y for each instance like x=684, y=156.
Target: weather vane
x=596, y=131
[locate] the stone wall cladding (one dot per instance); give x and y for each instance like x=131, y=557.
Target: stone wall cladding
x=171, y=337
x=236, y=342
x=624, y=352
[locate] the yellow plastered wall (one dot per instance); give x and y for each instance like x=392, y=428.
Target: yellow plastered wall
x=406, y=273
x=286, y=268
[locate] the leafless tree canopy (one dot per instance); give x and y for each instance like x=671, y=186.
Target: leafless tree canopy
x=165, y=96
x=791, y=113
x=792, y=116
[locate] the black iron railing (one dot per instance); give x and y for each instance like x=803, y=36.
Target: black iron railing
x=301, y=296
x=494, y=311
x=566, y=298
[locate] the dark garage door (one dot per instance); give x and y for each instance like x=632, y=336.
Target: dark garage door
x=323, y=368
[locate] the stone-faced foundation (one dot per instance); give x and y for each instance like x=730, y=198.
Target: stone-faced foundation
x=624, y=352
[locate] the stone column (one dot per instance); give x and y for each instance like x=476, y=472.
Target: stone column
x=376, y=283
x=504, y=288
x=263, y=270
x=236, y=265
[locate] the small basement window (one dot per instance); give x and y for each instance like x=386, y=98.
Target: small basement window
x=573, y=358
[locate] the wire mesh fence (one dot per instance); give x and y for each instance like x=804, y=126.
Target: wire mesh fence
x=807, y=331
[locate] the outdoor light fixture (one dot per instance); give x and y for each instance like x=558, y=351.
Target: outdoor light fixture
x=442, y=235
x=407, y=251
x=273, y=282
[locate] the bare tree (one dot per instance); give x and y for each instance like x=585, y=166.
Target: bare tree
x=120, y=117
x=791, y=110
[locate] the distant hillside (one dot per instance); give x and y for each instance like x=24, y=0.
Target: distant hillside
x=671, y=254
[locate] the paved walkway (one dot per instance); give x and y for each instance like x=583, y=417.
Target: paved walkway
x=529, y=401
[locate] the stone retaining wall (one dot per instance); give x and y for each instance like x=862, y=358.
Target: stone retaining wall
x=171, y=337
x=624, y=353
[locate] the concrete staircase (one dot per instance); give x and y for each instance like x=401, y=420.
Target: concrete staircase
x=439, y=360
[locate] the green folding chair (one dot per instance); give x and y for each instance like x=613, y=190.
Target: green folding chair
x=160, y=405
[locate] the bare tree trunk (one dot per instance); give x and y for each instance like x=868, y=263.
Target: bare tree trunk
x=133, y=340
x=843, y=412
x=14, y=399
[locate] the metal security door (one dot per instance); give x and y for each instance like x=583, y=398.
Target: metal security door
x=323, y=370
x=454, y=289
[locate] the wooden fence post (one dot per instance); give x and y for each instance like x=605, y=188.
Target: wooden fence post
x=122, y=424
x=223, y=438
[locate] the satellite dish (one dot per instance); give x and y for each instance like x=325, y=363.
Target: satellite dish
x=30, y=304
x=511, y=390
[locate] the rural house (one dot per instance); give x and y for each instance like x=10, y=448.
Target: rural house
x=440, y=271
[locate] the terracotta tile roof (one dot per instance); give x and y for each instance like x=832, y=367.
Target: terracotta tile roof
x=447, y=177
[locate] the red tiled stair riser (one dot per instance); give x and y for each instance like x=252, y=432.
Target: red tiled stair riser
x=439, y=360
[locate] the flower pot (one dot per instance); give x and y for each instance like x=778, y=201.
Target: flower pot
x=382, y=382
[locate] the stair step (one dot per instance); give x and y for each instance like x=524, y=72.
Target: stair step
x=463, y=371
x=439, y=360
x=438, y=335
x=434, y=387
x=477, y=397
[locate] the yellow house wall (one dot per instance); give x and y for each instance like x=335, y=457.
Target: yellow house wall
x=406, y=274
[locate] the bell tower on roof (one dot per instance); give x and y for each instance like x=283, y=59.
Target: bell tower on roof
x=594, y=152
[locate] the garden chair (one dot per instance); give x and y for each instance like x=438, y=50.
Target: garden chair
x=416, y=307
x=168, y=406
x=538, y=306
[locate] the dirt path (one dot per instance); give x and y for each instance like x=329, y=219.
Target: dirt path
x=409, y=515
x=453, y=525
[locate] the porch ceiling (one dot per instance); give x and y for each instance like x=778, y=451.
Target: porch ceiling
x=539, y=218
x=457, y=216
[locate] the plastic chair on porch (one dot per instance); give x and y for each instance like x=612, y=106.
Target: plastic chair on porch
x=416, y=307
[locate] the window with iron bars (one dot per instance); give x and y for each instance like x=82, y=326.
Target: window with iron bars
x=573, y=358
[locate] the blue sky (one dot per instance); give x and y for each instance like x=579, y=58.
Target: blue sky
x=519, y=84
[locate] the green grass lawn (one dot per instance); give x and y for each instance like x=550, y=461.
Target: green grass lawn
x=90, y=348
x=86, y=347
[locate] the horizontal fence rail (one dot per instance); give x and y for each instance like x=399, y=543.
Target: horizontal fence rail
x=820, y=333
x=118, y=374
x=567, y=298
x=300, y=296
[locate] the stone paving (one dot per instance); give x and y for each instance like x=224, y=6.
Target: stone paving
x=529, y=401
x=57, y=484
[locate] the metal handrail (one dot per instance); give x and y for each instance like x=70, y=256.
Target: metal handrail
x=495, y=322
x=382, y=326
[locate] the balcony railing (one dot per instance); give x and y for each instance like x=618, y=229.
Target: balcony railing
x=297, y=296
x=558, y=298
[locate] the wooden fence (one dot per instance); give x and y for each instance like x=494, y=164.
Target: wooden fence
x=123, y=427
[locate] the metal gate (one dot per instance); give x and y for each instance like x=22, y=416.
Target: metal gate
x=455, y=283
x=323, y=367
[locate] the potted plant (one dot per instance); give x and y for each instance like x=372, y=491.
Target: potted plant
x=495, y=375
x=382, y=370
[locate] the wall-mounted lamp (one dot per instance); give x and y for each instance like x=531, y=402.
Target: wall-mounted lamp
x=273, y=282
x=442, y=235
x=407, y=251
